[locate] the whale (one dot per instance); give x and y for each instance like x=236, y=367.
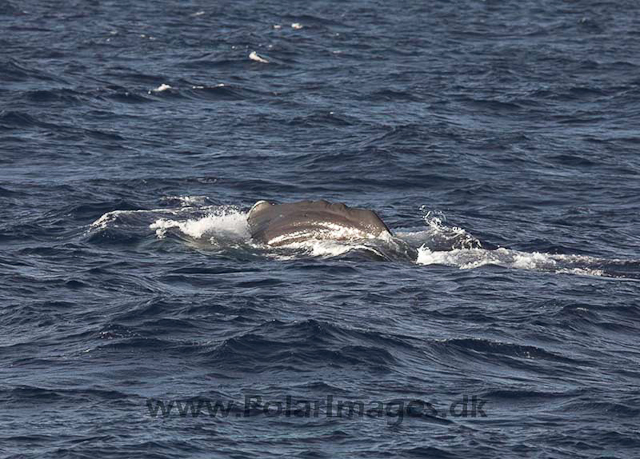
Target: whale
x=280, y=224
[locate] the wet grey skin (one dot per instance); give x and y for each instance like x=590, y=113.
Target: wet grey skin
x=277, y=224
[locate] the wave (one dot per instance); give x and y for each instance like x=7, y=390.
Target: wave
x=15, y=71
x=53, y=95
x=489, y=350
x=19, y=120
x=294, y=345
x=34, y=394
x=5, y=192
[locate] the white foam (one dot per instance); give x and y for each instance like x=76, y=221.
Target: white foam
x=219, y=85
x=161, y=88
x=105, y=219
x=474, y=258
x=110, y=217
x=225, y=224
x=582, y=272
x=254, y=57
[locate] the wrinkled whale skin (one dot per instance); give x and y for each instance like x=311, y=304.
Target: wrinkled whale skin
x=277, y=224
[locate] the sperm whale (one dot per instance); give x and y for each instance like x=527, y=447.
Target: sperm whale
x=278, y=224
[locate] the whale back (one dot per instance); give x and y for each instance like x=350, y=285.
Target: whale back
x=278, y=224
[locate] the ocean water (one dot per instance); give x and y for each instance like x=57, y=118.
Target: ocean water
x=499, y=140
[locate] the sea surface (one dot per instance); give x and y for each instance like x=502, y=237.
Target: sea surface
x=499, y=140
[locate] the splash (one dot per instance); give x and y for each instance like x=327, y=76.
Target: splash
x=224, y=224
x=438, y=235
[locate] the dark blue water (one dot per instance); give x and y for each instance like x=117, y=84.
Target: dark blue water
x=500, y=139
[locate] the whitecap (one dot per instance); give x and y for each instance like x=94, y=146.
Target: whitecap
x=254, y=57
x=161, y=88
